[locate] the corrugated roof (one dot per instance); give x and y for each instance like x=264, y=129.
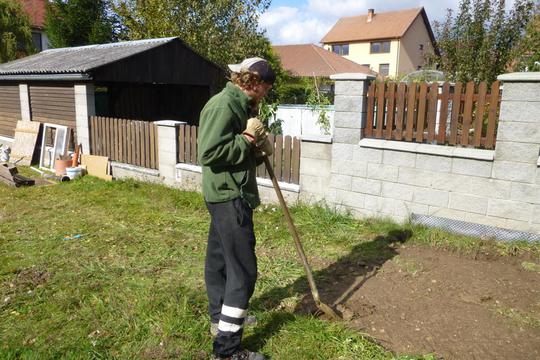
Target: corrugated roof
x=78, y=59
x=387, y=25
x=36, y=11
x=312, y=60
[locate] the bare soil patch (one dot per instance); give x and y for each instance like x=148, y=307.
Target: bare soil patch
x=419, y=300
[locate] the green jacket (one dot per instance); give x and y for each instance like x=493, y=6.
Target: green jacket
x=226, y=156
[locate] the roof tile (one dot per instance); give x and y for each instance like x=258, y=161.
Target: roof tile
x=312, y=60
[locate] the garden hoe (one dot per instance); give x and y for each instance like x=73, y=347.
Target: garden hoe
x=314, y=292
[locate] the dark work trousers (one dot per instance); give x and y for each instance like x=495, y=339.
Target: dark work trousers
x=230, y=271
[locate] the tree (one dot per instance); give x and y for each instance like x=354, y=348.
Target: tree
x=79, y=22
x=528, y=51
x=224, y=31
x=15, y=32
x=478, y=43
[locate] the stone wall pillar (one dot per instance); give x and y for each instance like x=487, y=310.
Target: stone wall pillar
x=350, y=105
x=167, y=149
x=25, y=102
x=517, y=151
x=85, y=106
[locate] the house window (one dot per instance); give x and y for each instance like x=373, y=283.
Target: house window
x=421, y=47
x=366, y=65
x=384, y=69
x=341, y=49
x=380, y=47
x=36, y=39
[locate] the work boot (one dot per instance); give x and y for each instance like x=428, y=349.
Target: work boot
x=242, y=355
x=249, y=321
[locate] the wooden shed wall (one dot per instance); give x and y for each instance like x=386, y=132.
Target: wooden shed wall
x=153, y=102
x=54, y=103
x=10, y=109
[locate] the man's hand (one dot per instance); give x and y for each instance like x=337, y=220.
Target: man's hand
x=264, y=148
x=255, y=131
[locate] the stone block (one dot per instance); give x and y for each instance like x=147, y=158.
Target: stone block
x=356, y=88
x=351, y=199
x=382, y=172
x=346, y=136
x=315, y=150
x=314, y=167
x=433, y=163
x=368, y=155
x=341, y=182
x=415, y=177
x=521, y=91
x=389, y=205
x=373, y=203
x=517, y=225
x=343, y=151
x=472, y=167
x=507, y=209
x=349, y=103
x=404, y=209
x=346, y=119
x=398, y=191
x=366, y=186
x=469, y=217
x=431, y=197
x=347, y=167
x=514, y=171
x=529, y=193
x=521, y=111
x=472, y=185
x=362, y=213
x=517, y=152
x=399, y=158
x=518, y=132
x=468, y=203
x=536, y=214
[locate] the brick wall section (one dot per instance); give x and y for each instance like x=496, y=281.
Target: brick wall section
x=394, y=179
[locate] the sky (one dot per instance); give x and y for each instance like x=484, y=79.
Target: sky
x=307, y=21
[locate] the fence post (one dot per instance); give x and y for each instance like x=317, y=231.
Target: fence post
x=167, y=138
x=85, y=106
x=517, y=150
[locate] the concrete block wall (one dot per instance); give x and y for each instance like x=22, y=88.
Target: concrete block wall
x=501, y=188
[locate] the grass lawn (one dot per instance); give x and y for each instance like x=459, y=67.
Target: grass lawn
x=131, y=285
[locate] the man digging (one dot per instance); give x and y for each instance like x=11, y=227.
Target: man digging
x=231, y=145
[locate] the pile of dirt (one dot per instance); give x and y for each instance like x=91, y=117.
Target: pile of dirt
x=420, y=300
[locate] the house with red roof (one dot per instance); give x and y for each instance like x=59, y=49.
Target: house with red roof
x=392, y=43
x=36, y=12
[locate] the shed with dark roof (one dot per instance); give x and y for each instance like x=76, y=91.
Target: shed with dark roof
x=150, y=80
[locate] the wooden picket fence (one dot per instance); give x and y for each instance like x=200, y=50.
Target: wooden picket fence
x=285, y=160
x=459, y=115
x=126, y=141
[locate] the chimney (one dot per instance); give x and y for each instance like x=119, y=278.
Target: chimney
x=370, y=14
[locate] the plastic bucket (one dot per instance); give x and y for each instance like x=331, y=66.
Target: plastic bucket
x=73, y=172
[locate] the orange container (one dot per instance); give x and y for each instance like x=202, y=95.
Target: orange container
x=61, y=165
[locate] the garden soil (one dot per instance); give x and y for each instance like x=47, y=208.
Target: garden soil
x=424, y=300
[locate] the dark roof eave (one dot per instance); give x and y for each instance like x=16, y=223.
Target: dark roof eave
x=352, y=40
x=46, y=77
